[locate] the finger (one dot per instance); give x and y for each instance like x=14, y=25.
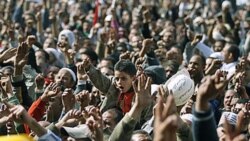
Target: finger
x=134, y=84
x=148, y=83
x=158, y=110
x=167, y=108
x=240, y=138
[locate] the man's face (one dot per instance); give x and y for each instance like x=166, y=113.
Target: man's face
x=123, y=81
x=48, y=43
x=228, y=98
x=40, y=59
x=109, y=120
x=136, y=42
x=169, y=72
x=218, y=46
x=226, y=55
x=195, y=66
x=64, y=77
x=168, y=38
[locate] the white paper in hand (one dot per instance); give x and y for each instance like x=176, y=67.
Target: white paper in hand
x=181, y=85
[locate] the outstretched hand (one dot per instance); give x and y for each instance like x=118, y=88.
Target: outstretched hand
x=165, y=120
x=210, y=87
x=142, y=86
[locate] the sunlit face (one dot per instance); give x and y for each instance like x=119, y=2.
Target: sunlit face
x=168, y=38
x=40, y=58
x=48, y=43
x=123, y=81
x=195, y=66
x=64, y=77
x=228, y=98
x=136, y=42
x=218, y=46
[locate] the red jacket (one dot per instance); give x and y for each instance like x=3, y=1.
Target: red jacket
x=36, y=110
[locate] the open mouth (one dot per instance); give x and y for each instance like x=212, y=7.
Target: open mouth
x=120, y=88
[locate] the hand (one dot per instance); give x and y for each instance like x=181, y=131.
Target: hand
x=51, y=91
x=31, y=39
x=6, y=87
x=140, y=61
x=111, y=44
x=63, y=46
x=39, y=81
x=95, y=124
x=146, y=16
x=68, y=100
x=71, y=53
x=142, y=87
x=165, y=121
x=161, y=44
x=215, y=65
x=19, y=114
x=125, y=55
x=243, y=118
x=239, y=88
x=7, y=54
x=209, y=89
x=71, y=118
x=81, y=74
x=5, y=115
x=146, y=46
x=21, y=57
x=83, y=98
x=197, y=39
x=86, y=64
x=38, y=16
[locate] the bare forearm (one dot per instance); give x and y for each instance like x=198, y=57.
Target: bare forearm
x=37, y=128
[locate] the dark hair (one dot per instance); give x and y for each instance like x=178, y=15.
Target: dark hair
x=118, y=112
x=125, y=66
x=91, y=54
x=235, y=51
x=111, y=59
x=203, y=59
x=149, y=138
x=45, y=54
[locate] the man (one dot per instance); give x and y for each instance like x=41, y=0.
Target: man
x=195, y=68
x=230, y=54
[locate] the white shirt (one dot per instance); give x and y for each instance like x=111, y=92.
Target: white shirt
x=230, y=68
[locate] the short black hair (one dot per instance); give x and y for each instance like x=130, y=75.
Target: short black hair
x=235, y=51
x=149, y=138
x=91, y=54
x=126, y=66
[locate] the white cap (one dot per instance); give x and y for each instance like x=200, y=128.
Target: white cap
x=226, y=4
x=182, y=87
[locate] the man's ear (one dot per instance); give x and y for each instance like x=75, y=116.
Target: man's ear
x=230, y=56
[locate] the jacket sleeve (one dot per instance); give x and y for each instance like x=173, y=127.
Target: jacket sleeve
x=24, y=98
x=124, y=129
x=100, y=81
x=203, y=126
x=36, y=110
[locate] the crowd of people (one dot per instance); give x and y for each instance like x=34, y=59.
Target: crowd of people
x=125, y=70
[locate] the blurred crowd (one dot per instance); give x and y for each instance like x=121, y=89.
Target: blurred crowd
x=125, y=70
